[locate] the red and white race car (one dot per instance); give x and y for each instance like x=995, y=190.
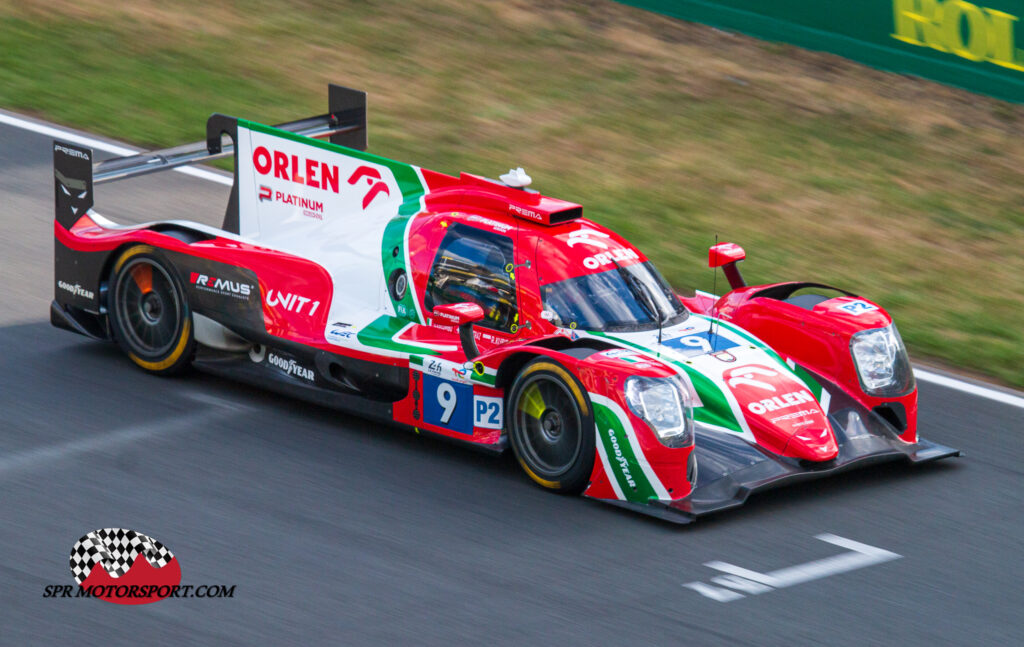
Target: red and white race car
x=483, y=311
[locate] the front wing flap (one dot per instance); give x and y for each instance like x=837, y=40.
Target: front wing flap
x=729, y=469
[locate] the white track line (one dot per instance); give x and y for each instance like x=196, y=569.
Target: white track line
x=52, y=131
x=1005, y=397
x=116, y=149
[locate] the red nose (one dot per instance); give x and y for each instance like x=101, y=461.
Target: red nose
x=812, y=445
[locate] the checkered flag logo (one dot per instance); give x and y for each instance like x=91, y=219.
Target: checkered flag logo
x=115, y=549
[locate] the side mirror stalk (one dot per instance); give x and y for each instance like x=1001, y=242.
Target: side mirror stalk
x=726, y=256
x=459, y=317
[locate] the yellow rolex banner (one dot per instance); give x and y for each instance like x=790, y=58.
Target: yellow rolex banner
x=973, y=45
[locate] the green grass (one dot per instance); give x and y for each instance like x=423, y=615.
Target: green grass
x=905, y=191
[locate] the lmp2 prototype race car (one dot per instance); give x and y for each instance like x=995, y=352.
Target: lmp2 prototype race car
x=483, y=311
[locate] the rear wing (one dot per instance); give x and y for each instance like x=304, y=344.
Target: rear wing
x=75, y=173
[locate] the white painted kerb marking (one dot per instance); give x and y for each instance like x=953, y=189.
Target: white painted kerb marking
x=51, y=131
x=751, y=582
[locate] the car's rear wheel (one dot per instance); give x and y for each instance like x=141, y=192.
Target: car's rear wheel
x=551, y=426
x=149, y=315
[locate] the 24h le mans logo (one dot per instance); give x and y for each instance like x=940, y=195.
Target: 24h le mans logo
x=121, y=560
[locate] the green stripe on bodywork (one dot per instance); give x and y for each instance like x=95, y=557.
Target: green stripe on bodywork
x=623, y=463
x=392, y=256
x=486, y=378
x=812, y=384
x=379, y=335
x=716, y=409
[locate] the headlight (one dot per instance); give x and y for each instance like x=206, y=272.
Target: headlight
x=882, y=362
x=665, y=406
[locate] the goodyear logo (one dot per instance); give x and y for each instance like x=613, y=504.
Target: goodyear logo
x=960, y=28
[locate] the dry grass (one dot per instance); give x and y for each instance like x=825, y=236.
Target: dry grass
x=905, y=190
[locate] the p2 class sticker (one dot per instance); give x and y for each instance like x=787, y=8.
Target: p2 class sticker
x=858, y=307
x=487, y=412
x=447, y=403
x=700, y=343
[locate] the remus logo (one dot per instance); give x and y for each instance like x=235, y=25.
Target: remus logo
x=110, y=561
x=208, y=283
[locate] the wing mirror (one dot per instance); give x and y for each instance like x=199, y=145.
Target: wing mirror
x=726, y=256
x=459, y=317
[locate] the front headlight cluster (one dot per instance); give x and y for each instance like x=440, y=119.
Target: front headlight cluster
x=882, y=362
x=665, y=405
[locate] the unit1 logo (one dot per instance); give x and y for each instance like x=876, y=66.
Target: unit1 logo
x=291, y=302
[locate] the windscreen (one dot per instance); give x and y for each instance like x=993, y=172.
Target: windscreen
x=621, y=299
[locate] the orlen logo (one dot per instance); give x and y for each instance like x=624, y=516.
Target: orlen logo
x=291, y=302
x=124, y=567
x=220, y=286
x=780, y=400
x=752, y=375
x=607, y=258
x=777, y=402
x=373, y=180
x=314, y=173
x=583, y=237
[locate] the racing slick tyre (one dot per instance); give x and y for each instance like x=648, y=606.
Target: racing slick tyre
x=149, y=315
x=551, y=426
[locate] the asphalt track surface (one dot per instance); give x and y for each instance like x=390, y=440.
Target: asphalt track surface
x=336, y=531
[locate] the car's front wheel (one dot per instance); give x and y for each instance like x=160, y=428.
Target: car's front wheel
x=149, y=315
x=551, y=426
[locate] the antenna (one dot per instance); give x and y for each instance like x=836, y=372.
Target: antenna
x=714, y=292
x=661, y=324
